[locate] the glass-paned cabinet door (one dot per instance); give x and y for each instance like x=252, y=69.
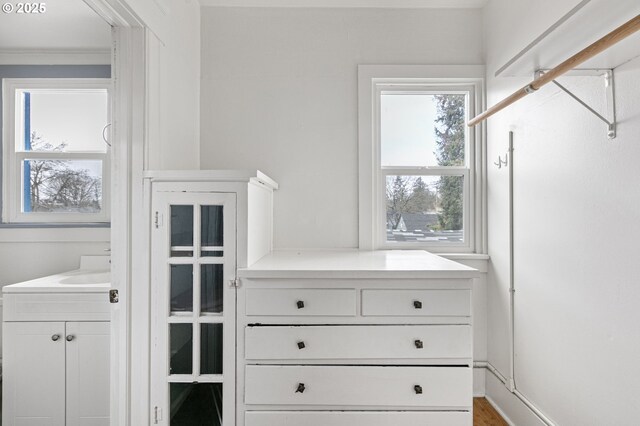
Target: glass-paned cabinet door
x=193, y=309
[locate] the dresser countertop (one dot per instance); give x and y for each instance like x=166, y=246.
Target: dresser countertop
x=356, y=264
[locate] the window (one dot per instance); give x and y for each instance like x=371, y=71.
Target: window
x=419, y=169
x=55, y=158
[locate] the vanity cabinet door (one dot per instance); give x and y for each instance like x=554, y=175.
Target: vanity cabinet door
x=34, y=373
x=87, y=351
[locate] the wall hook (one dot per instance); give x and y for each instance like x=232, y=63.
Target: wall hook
x=502, y=163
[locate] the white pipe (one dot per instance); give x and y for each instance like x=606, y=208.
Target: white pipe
x=512, y=289
x=511, y=382
x=518, y=395
x=497, y=373
x=533, y=408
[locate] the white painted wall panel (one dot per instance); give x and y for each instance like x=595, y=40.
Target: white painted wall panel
x=279, y=93
x=576, y=229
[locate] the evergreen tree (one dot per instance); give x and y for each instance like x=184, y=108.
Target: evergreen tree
x=450, y=142
x=399, y=197
x=422, y=199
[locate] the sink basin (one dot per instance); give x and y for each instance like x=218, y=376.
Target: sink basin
x=77, y=295
x=86, y=277
x=93, y=276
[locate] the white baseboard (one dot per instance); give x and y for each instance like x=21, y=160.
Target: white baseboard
x=512, y=409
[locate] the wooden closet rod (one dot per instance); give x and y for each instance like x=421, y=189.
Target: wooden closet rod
x=599, y=46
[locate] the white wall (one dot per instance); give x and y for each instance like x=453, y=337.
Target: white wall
x=577, y=204
x=31, y=253
x=279, y=94
x=174, y=90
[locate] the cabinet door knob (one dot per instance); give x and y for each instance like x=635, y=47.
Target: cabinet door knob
x=70, y=337
x=301, y=345
x=417, y=304
x=300, y=388
x=300, y=304
x=418, y=389
x=55, y=337
x=419, y=344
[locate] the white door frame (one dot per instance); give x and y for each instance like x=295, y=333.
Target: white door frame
x=128, y=71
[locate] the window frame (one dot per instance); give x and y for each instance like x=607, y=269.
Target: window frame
x=12, y=191
x=373, y=80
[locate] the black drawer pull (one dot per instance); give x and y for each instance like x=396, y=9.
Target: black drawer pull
x=300, y=388
x=300, y=304
x=301, y=345
x=418, y=389
x=417, y=304
x=419, y=344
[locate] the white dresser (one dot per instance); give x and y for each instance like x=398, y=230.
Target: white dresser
x=349, y=338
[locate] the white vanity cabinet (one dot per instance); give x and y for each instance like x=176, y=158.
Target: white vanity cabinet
x=56, y=372
x=56, y=351
x=204, y=225
x=355, y=338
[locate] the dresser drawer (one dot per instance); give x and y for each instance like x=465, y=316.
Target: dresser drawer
x=358, y=418
x=357, y=342
x=300, y=302
x=359, y=386
x=416, y=303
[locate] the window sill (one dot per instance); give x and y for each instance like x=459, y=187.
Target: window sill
x=474, y=260
x=464, y=256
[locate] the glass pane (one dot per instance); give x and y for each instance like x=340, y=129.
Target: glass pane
x=181, y=288
x=211, y=253
x=62, y=120
x=62, y=186
x=212, y=226
x=211, y=288
x=420, y=130
x=196, y=404
x=425, y=209
x=181, y=226
x=211, y=349
x=181, y=348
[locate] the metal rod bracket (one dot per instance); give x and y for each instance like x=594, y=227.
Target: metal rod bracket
x=607, y=75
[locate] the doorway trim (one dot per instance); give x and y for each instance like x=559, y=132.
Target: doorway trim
x=128, y=69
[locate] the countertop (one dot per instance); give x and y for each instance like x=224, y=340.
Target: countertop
x=356, y=264
x=77, y=281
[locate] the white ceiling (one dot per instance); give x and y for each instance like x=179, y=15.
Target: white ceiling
x=398, y=4
x=66, y=24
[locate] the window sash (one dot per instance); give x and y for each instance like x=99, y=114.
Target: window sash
x=427, y=89
x=381, y=203
x=12, y=188
x=52, y=217
x=383, y=171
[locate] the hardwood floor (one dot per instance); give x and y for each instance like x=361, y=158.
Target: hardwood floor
x=485, y=415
